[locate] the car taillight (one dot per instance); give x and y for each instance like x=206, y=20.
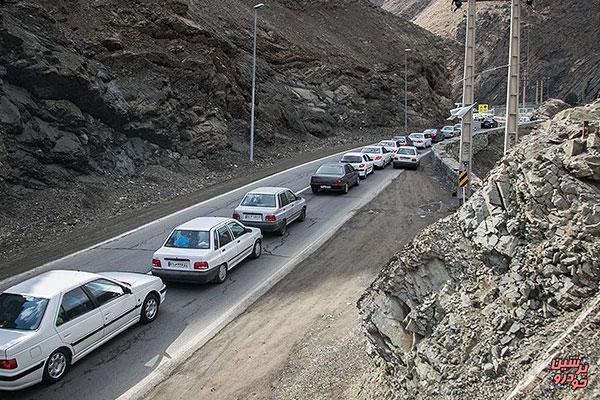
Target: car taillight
x=201, y=265
x=377, y=157
x=270, y=218
x=236, y=216
x=339, y=181
x=8, y=364
x=361, y=166
x=156, y=263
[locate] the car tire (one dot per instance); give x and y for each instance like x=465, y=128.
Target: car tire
x=257, y=249
x=358, y=181
x=302, y=216
x=221, y=275
x=283, y=230
x=315, y=190
x=149, y=308
x=56, y=366
x=346, y=188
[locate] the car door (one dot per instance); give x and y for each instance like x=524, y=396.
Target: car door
x=242, y=238
x=293, y=204
x=118, y=307
x=79, y=322
x=284, y=208
x=349, y=174
x=368, y=163
x=227, y=247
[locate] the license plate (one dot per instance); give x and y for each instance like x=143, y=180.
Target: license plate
x=178, y=264
x=252, y=217
x=325, y=187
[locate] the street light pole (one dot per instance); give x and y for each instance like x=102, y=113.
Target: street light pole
x=406, y=90
x=256, y=7
x=512, y=90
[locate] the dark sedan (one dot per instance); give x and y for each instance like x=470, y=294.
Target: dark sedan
x=335, y=178
x=489, y=123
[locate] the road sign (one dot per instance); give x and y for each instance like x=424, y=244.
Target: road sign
x=463, y=178
x=483, y=108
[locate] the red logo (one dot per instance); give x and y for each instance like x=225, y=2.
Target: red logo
x=570, y=371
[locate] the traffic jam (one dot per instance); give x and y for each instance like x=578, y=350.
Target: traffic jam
x=51, y=321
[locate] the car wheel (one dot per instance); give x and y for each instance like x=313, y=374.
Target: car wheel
x=57, y=365
x=222, y=274
x=302, y=216
x=283, y=230
x=346, y=188
x=315, y=190
x=149, y=308
x=257, y=250
x=357, y=180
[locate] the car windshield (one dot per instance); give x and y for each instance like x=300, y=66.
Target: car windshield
x=351, y=159
x=371, y=150
x=258, y=200
x=417, y=135
x=184, y=239
x=388, y=144
x=409, y=152
x=335, y=170
x=448, y=128
x=21, y=312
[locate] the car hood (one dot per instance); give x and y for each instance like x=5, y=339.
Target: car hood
x=12, y=337
x=131, y=278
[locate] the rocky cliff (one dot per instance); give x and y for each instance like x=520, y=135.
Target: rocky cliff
x=109, y=102
x=480, y=299
x=562, y=38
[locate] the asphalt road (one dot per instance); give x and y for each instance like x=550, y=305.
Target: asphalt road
x=192, y=314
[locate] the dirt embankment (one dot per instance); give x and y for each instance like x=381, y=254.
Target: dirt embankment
x=482, y=299
x=109, y=106
x=302, y=339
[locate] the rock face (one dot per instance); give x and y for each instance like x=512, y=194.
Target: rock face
x=472, y=302
x=561, y=37
x=549, y=109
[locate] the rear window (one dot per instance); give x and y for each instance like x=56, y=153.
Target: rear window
x=21, y=312
x=186, y=239
x=258, y=200
x=351, y=159
x=417, y=135
x=335, y=170
x=371, y=150
x=409, y=152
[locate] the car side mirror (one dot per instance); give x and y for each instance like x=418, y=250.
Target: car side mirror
x=127, y=290
x=248, y=230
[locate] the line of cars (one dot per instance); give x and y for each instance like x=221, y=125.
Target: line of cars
x=51, y=321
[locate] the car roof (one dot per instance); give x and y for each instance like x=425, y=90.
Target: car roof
x=203, y=223
x=353, y=154
x=331, y=165
x=373, y=145
x=268, y=190
x=52, y=283
x=388, y=140
x=416, y=133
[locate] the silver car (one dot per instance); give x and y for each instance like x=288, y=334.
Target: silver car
x=271, y=209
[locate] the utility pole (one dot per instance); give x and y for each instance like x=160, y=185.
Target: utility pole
x=256, y=7
x=466, y=136
x=406, y=51
x=542, y=83
x=526, y=72
x=512, y=90
x=537, y=92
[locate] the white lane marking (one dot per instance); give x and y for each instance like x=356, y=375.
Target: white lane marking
x=303, y=190
x=8, y=281
x=183, y=352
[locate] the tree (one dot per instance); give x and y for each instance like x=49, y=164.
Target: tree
x=572, y=98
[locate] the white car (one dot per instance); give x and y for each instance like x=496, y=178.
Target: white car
x=361, y=162
x=407, y=156
x=205, y=249
x=390, y=145
x=271, y=209
x=448, y=131
x=419, y=140
x=50, y=322
x=380, y=156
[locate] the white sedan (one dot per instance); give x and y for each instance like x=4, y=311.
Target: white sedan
x=380, y=156
x=205, y=249
x=448, y=131
x=361, y=162
x=419, y=140
x=390, y=145
x=50, y=322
